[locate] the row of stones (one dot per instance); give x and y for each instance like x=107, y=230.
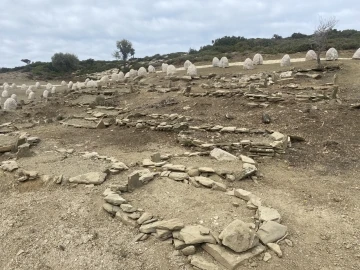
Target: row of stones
x=278, y=146
x=237, y=242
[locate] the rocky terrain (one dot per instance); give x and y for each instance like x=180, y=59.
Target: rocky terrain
x=228, y=169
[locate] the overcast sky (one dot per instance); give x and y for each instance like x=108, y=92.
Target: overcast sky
x=36, y=29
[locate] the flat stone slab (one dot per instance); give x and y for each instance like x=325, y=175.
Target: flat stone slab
x=95, y=178
x=170, y=225
x=196, y=234
x=229, y=259
x=221, y=155
x=7, y=143
x=203, y=264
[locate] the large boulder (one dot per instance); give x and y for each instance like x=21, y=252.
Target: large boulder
x=239, y=236
x=356, y=55
x=332, y=55
x=248, y=64
x=192, y=71
x=171, y=70
x=151, y=69
x=258, y=59
x=224, y=62
x=142, y=72
x=164, y=67
x=187, y=64
x=215, y=62
x=310, y=55
x=285, y=61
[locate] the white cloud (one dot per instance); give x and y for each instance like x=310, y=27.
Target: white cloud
x=36, y=29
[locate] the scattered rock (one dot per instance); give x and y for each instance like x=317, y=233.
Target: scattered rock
x=127, y=208
x=243, y=194
x=114, y=199
x=111, y=209
x=289, y=242
x=271, y=231
x=134, y=181
x=193, y=235
x=267, y=257
x=190, y=250
x=239, y=236
x=170, y=225
x=124, y=218
x=95, y=178
x=222, y=155
x=266, y=119
x=178, y=176
x=276, y=248
x=268, y=214
x=202, y=264
x=9, y=165
x=206, y=182
x=229, y=259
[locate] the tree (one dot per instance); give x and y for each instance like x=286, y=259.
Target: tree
x=321, y=34
x=276, y=36
x=64, y=62
x=26, y=61
x=125, y=49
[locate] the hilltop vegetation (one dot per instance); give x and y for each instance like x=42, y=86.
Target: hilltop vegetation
x=225, y=46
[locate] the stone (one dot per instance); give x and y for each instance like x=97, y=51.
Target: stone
x=285, y=61
x=148, y=163
x=276, y=248
x=9, y=165
x=178, y=176
x=267, y=257
x=192, y=172
x=248, y=64
x=144, y=217
x=114, y=199
x=228, y=130
x=243, y=194
x=178, y=244
x=163, y=234
x=310, y=55
x=266, y=119
x=111, y=209
x=229, y=259
x=128, y=208
x=135, y=215
x=147, y=177
x=187, y=251
x=207, y=182
x=100, y=125
x=156, y=157
x=268, y=214
x=206, y=170
x=203, y=264
x=124, y=218
x=139, y=237
x=271, y=231
x=222, y=155
x=171, y=225
x=258, y=59
x=176, y=168
x=246, y=159
x=289, y=242
x=286, y=74
x=277, y=136
x=248, y=170
x=356, y=55
x=194, y=234
x=239, y=236
x=219, y=186
x=332, y=55
x=95, y=178
x=29, y=175
x=119, y=166
x=134, y=181
x=33, y=140
x=254, y=203
x=23, y=151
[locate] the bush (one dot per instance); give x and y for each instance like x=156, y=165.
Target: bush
x=64, y=62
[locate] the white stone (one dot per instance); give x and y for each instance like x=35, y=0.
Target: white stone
x=285, y=61
x=268, y=214
x=115, y=77
x=171, y=70
x=70, y=84
x=37, y=85
x=63, y=83
x=121, y=75
x=224, y=62
x=258, y=59
x=95, y=178
x=46, y=93
x=23, y=87
x=31, y=95
x=187, y=64
x=14, y=97
x=248, y=64
x=164, y=67
x=5, y=94
x=332, y=55
x=215, y=62
x=53, y=90
x=10, y=104
x=151, y=69
x=192, y=70
x=356, y=55
x=48, y=86
x=310, y=55
x=142, y=72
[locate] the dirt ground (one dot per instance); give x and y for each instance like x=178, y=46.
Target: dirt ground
x=314, y=185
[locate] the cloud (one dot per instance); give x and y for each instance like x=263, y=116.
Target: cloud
x=36, y=29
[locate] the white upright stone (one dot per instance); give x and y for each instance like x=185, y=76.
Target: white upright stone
x=356, y=55
x=310, y=55
x=121, y=75
x=151, y=69
x=285, y=61
x=164, y=67
x=187, y=64
x=10, y=104
x=192, y=70
x=248, y=64
x=142, y=71
x=332, y=55
x=224, y=62
x=171, y=70
x=258, y=59
x=215, y=62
